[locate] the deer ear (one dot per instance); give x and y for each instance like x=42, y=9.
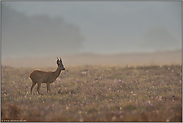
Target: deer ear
x=57, y=60
x=60, y=59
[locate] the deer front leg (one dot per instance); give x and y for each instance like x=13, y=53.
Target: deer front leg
x=48, y=87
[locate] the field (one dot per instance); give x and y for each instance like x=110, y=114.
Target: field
x=95, y=93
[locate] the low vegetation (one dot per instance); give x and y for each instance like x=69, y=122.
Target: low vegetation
x=95, y=93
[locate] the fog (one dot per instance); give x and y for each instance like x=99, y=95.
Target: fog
x=38, y=35
x=41, y=29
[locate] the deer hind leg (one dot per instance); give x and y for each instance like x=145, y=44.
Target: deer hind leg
x=48, y=87
x=38, y=87
x=33, y=84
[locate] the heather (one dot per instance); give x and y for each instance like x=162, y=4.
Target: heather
x=95, y=93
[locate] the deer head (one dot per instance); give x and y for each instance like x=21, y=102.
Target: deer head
x=60, y=65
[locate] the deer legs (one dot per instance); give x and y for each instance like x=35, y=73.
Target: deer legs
x=33, y=84
x=38, y=87
x=48, y=87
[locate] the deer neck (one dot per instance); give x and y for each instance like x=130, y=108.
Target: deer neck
x=57, y=72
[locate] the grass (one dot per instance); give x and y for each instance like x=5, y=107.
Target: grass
x=95, y=93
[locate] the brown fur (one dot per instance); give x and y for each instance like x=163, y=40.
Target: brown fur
x=39, y=77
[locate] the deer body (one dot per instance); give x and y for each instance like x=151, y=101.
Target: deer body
x=39, y=77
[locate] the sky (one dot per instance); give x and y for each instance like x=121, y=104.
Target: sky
x=104, y=27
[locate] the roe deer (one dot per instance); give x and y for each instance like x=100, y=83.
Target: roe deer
x=39, y=77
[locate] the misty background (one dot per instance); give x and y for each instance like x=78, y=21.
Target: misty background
x=40, y=29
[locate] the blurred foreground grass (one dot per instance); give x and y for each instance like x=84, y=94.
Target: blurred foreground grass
x=95, y=93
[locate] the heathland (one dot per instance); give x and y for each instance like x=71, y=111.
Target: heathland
x=95, y=92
